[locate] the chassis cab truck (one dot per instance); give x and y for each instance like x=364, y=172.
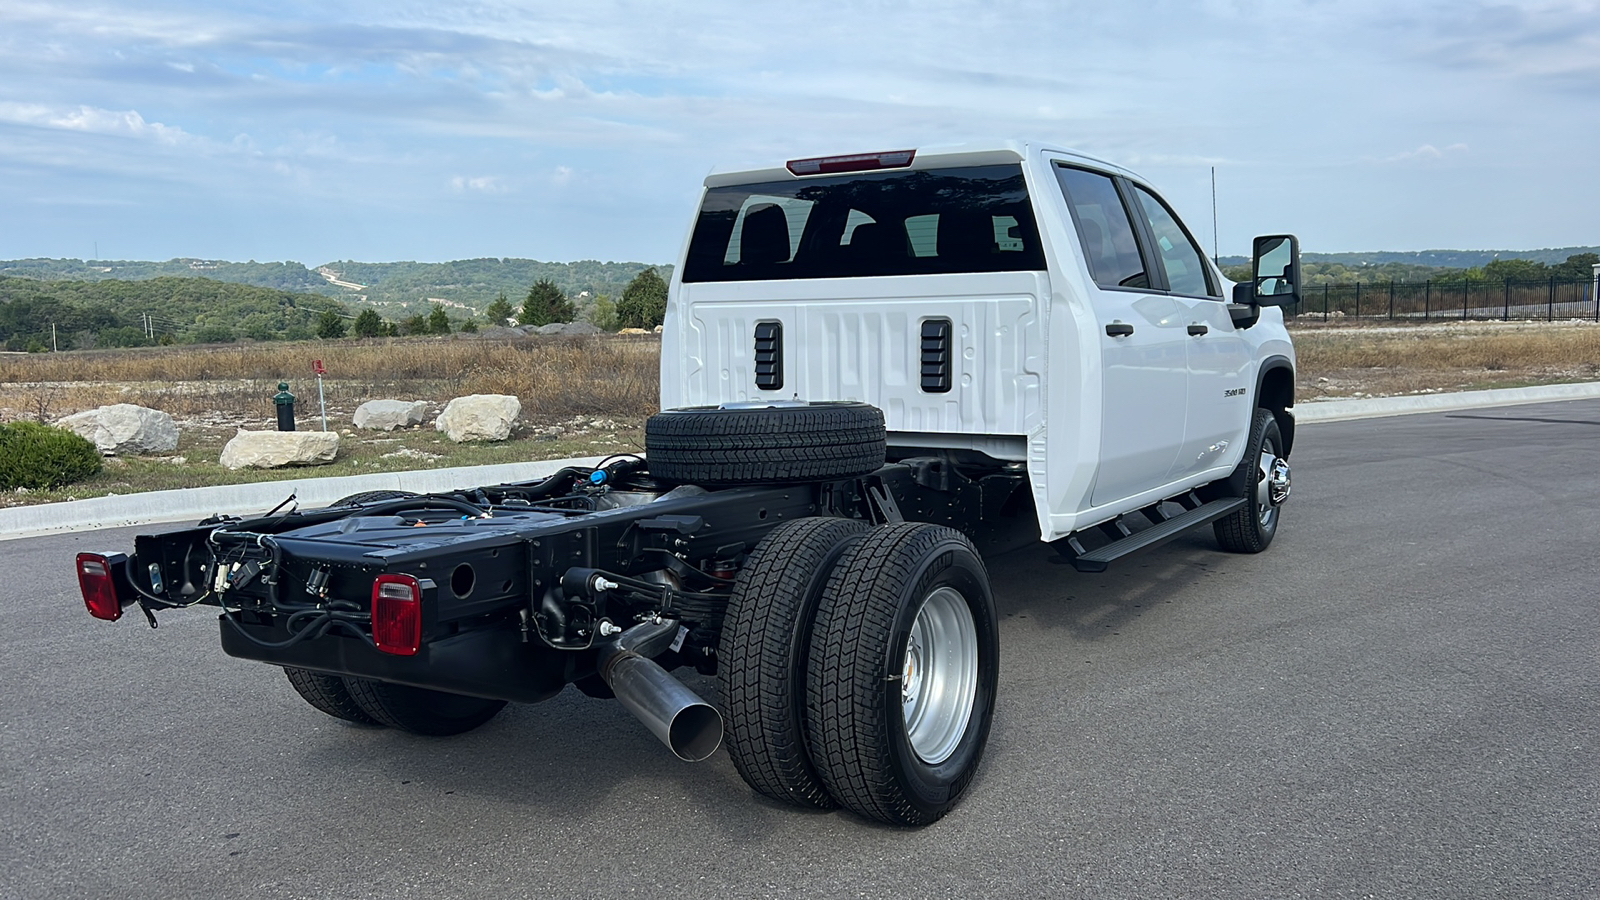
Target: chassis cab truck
x=875, y=369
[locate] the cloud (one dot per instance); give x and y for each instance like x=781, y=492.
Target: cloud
x=1554, y=42
x=482, y=184
x=1425, y=153
x=124, y=123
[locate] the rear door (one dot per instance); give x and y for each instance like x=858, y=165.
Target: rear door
x=1143, y=340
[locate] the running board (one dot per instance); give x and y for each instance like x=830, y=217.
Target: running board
x=1096, y=560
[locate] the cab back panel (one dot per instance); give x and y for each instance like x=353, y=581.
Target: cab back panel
x=861, y=339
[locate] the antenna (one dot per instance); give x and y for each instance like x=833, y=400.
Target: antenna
x=1216, y=257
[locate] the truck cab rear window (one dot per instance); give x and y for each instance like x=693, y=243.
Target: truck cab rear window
x=975, y=219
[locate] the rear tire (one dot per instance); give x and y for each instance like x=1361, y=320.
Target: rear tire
x=902, y=673
x=777, y=444
x=328, y=694
x=419, y=710
x=761, y=662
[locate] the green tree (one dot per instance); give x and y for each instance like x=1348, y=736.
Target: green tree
x=213, y=334
x=438, y=321
x=330, y=325
x=604, y=314
x=1515, y=270
x=369, y=324
x=644, y=301
x=1578, y=267
x=470, y=326
x=417, y=324
x=545, y=304
x=499, y=312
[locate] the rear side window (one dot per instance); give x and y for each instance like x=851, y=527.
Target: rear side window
x=1104, y=228
x=1185, y=265
x=934, y=221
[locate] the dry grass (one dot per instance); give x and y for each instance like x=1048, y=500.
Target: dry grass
x=590, y=396
x=551, y=376
x=1365, y=361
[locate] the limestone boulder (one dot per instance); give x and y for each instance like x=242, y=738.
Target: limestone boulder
x=387, y=415
x=123, y=429
x=479, y=417
x=567, y=328
x=276, y=449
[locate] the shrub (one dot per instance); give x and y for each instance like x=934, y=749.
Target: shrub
x=36, y=457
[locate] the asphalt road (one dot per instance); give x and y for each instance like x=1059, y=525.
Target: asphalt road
x=1400, y=699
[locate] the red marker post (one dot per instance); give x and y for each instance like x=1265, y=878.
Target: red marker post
x=321, y=370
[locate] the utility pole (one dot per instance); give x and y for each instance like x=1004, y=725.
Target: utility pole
x=1216, y=255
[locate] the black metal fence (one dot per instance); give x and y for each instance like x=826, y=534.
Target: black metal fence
x=1549, y=299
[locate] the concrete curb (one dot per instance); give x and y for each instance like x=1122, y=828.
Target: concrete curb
x=1379, y=407
x=194, y=504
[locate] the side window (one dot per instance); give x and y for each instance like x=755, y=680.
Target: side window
x=1185, y=264
x=1104, y=228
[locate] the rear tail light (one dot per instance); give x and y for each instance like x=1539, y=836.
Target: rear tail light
x=98, y=575
x=859, y=162
x=397, y=614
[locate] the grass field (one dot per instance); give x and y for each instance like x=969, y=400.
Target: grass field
x=589, y=396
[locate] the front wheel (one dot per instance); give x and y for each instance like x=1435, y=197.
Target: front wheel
x=1263, y=480
x=902, y=673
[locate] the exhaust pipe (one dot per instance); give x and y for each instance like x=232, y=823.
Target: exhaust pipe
x=690, y=727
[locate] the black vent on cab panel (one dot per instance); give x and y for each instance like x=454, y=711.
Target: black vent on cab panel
x=769, y=356
x=936, y=356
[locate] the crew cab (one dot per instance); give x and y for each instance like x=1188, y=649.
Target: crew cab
x=876, y=368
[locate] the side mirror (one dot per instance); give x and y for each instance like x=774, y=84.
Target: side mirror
x=1274, y=273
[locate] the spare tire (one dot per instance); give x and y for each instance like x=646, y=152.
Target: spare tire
x=778, y=443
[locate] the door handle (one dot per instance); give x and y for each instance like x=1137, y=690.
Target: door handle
x=1119, y=329
x=1197, y=330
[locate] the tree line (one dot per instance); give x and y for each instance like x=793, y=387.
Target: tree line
x=470, y=282
x=1576, y=267
x=40, y=315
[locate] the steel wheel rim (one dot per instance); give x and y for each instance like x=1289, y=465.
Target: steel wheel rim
x=939, y=675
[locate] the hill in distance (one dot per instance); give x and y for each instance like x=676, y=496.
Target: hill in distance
x=1436, y=259
x=396, y=289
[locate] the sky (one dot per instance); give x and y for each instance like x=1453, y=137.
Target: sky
x=393, y=130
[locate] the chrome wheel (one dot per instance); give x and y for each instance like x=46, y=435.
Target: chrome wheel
x=939, y=677
x=1272, y=486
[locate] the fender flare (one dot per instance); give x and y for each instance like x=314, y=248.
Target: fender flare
x=1281, y=397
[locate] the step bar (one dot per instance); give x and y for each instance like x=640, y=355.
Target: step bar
x=1164, y=530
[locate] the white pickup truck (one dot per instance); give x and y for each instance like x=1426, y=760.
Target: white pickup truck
x=875, y=367
x=1015, y=310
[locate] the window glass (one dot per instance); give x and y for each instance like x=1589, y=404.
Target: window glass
x=969, y=219
x=855, y=220
x=1104, y=228
x=1184, y=263
x=793, y=221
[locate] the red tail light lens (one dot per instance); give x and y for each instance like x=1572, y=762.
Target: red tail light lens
x=97, y=580
x=859, y=162
x=397, y=614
